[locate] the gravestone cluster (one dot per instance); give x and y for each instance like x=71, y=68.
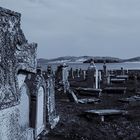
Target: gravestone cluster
x=90, y=78
x=27, y=103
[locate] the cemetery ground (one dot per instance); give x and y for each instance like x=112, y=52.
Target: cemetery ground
x=76, y=125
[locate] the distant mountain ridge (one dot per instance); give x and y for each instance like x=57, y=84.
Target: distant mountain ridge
x=135, y=59
x=65, y=59
x=87, y=59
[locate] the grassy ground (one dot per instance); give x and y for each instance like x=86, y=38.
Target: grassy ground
x=74, y=125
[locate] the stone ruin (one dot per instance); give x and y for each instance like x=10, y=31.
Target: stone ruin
x=27, y=108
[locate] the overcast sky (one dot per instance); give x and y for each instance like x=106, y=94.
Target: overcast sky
x=80, y=27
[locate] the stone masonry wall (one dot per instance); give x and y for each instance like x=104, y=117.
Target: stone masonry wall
x=15, y=55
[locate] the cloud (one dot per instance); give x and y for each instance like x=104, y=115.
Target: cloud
x=80, y=27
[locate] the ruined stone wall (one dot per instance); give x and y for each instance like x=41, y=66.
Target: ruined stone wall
x=15, y=55
x=9, y=28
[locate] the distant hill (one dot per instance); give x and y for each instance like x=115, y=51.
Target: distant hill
x=86, y=59
x=65, y=59
x=135, y=59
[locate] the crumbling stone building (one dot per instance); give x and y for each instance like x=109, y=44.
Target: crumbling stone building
x=23, y=114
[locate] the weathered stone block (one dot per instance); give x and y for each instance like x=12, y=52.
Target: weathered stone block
x=9, y=127
x=15, y=54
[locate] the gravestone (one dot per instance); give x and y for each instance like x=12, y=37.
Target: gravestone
x=92, y=76
x=122, y=71
x=40, y=125
x=84, y=74
x=77, y=74
x=62, y=75
x=52, y=117
x=71, y=74
x=38, y=102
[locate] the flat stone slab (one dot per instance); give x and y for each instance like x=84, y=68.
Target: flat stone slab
x=122, y=77
x=130, y=99
x=106, y=112
x=102, y=113
x=88, y=101
x=89, y=91
x=73, y=98
x=138, y=93
x=115, y=90
x=115, y=80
